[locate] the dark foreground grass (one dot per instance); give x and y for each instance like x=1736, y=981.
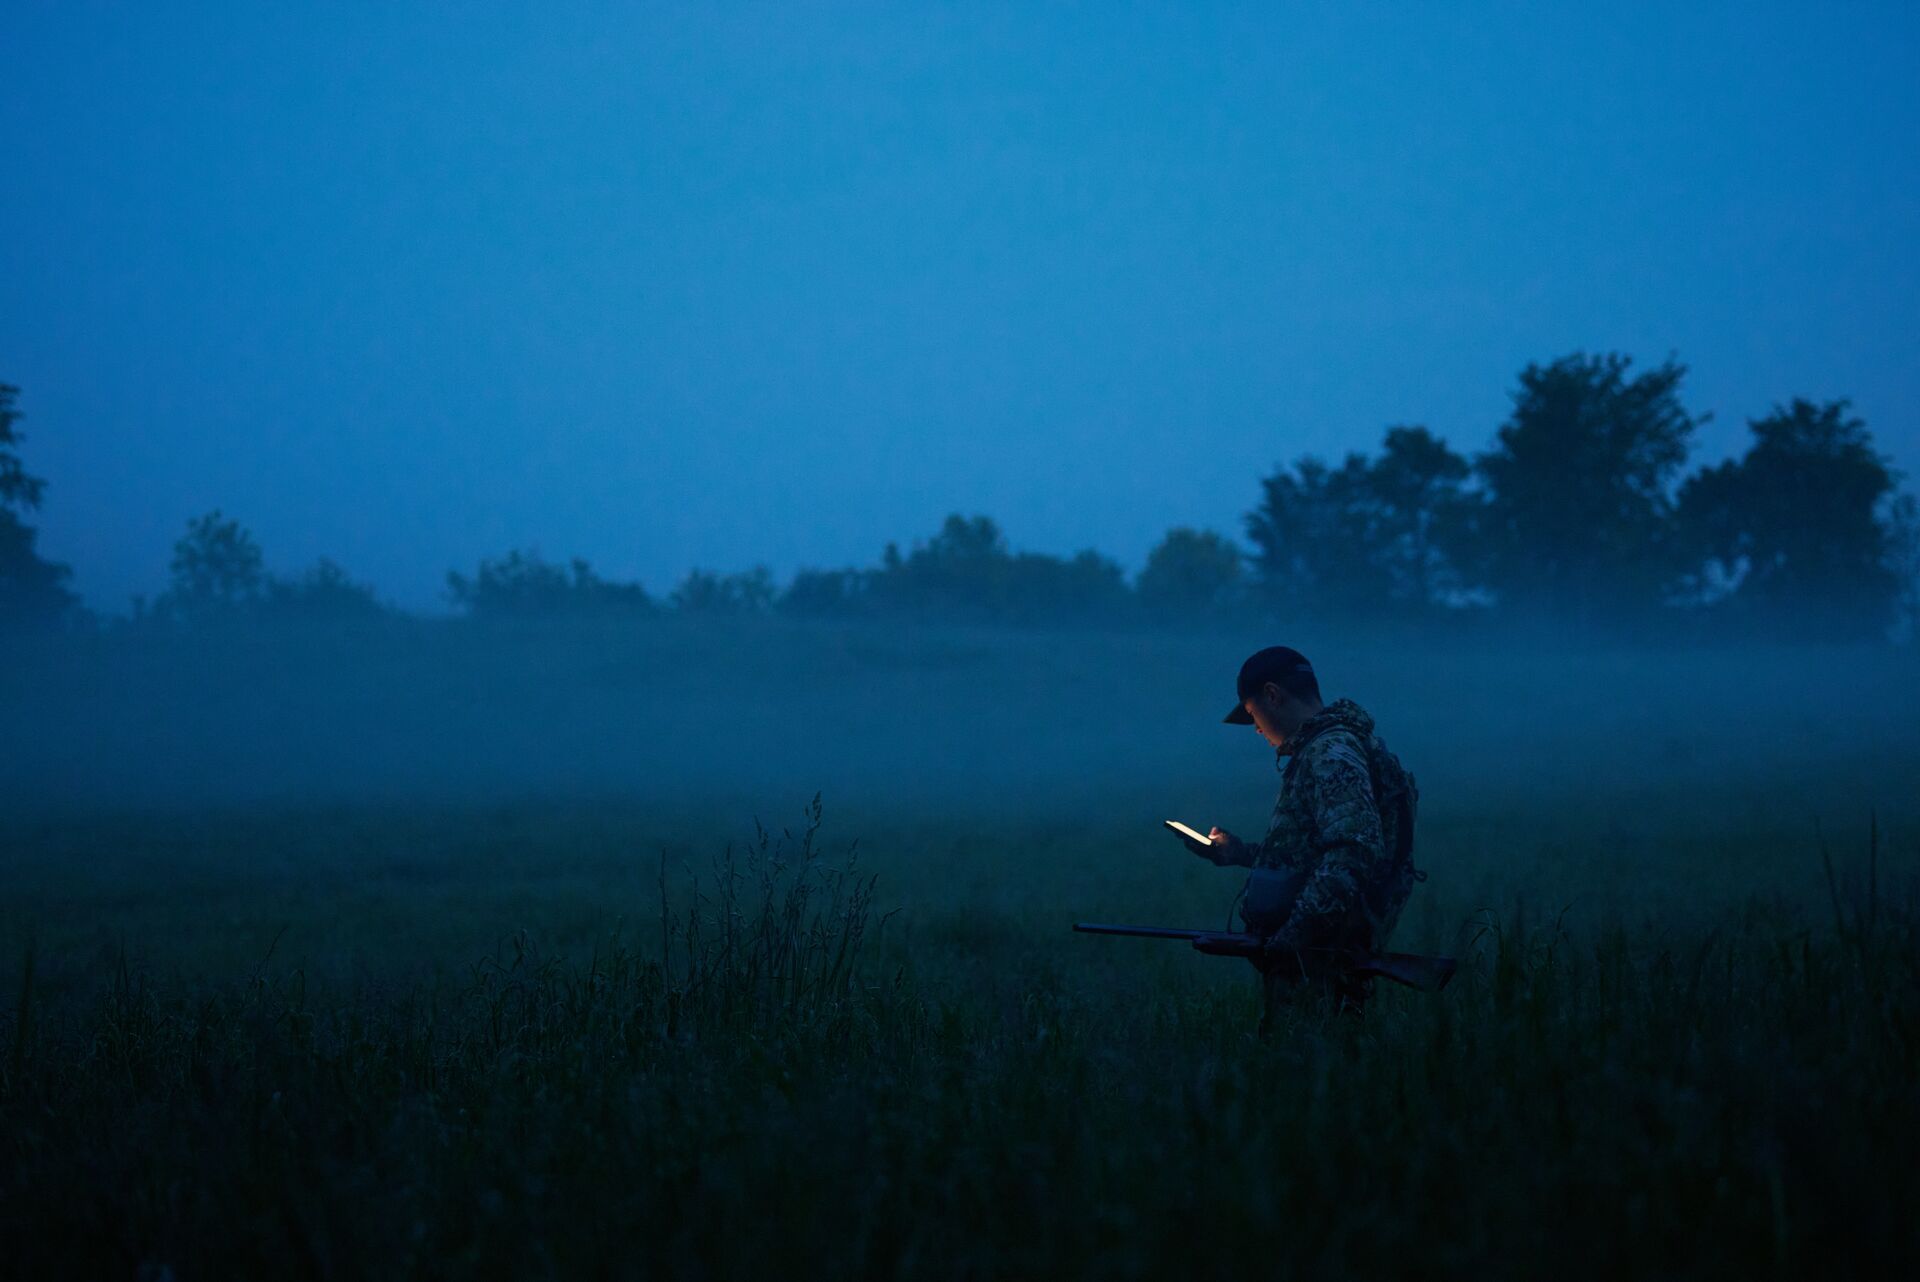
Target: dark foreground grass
x=771, y=1079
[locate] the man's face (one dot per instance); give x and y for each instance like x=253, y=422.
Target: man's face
x=1270, y=709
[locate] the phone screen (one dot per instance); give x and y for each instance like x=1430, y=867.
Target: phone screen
x=1187, y=832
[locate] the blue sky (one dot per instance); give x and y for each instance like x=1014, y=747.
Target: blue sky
x=667, y=286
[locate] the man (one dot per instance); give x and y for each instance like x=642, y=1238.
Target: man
x=1342, y=833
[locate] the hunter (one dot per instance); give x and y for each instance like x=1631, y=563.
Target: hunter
x=1341, y=835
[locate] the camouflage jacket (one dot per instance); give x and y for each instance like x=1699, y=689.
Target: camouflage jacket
x=1344, y=818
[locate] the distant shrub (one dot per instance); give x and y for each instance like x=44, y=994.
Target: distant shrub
x=520, y=585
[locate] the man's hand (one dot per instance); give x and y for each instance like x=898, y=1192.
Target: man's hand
x=1221, y=846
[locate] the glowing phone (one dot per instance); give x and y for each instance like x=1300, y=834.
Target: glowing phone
x=1187, y=832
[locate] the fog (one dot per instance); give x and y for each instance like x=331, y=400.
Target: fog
x=1059, y=728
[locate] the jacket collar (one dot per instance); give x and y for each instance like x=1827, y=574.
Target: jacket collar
x=1341, y=713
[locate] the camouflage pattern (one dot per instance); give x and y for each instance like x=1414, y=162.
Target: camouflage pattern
x=1344, y=818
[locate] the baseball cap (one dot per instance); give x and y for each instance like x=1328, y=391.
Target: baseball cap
x=1274, y=663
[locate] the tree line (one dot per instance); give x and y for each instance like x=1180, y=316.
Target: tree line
x=1581, y=511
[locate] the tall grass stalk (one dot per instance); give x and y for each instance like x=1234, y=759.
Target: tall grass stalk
x=774, y=934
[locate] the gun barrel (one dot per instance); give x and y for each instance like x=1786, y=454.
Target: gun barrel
x=1145, y=932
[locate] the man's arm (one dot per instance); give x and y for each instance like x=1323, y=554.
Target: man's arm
x=1351, y=845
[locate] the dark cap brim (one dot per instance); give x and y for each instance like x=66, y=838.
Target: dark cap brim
x=1239, y=716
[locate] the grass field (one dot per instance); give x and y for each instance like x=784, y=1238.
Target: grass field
x=423, y=955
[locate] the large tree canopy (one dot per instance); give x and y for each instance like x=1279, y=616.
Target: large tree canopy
x=1365, y=537
x=1576, y=519
x=1804, y=529
x=1189, y=570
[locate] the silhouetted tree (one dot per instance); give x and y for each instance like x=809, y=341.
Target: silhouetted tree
x=1903, y=526
x=1190, y=570
x=17, y=489
x=1314, y=539
x=324, y=594
x=1577, y=518
x=965, y=571
x=962, y=570
x=218, y=573
x=1365, y=537
x=824, y=594
x=33, y=590
x=1805, y=530
x=1421, y=513
x=1087, y=587
x=521, y=585
x=748, y=592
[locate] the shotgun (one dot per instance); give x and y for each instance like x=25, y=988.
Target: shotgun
x=1428, y=974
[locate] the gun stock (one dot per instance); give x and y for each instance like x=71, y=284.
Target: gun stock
x=1428, y=974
